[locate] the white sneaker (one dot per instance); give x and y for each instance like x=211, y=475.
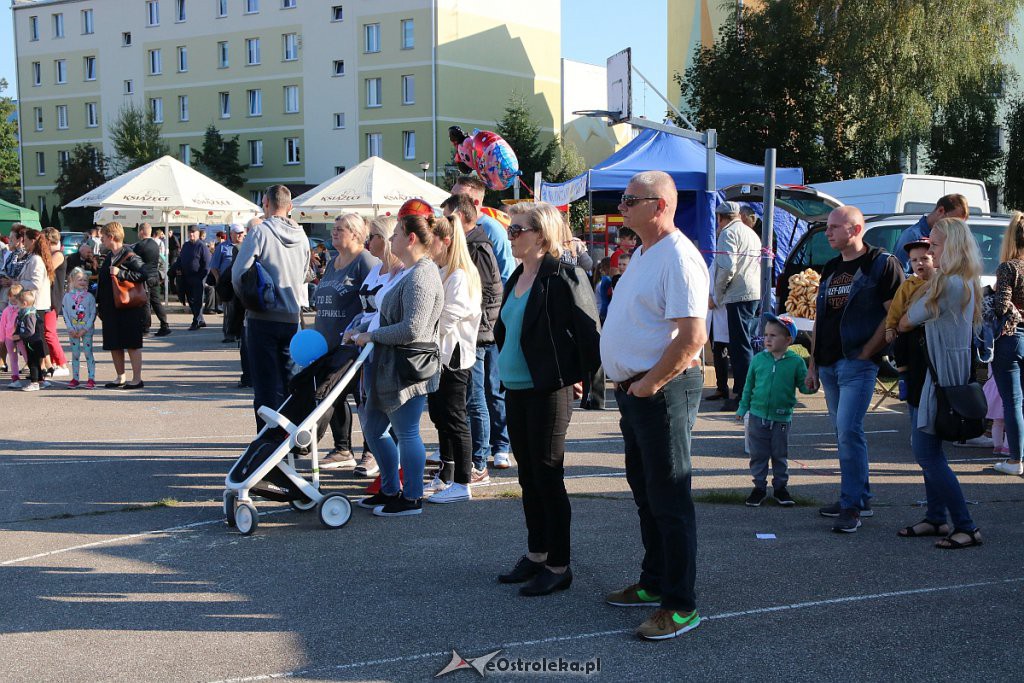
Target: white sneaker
x=1006, y=467
x=436, y=485
x=61, y=372
x=434, y=458
x=979, y=442
x=455, y=493
x=31, y=386
x=502, y=461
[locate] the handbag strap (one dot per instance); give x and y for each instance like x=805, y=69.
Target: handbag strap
x=972, y=376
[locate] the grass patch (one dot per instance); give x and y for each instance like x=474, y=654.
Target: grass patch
x=162, y=503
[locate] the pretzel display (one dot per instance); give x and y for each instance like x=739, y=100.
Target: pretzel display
x=803, y=293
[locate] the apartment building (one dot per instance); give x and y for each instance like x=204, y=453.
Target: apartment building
x=310, y=87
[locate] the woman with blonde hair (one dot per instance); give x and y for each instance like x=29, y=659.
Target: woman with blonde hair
x=549, y=339
x=458, y=327
x=949, y=309
x=1008, y=359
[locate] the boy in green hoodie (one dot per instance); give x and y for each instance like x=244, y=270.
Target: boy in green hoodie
x=769, y=396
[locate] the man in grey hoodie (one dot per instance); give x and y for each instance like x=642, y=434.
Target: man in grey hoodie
x=282, y=248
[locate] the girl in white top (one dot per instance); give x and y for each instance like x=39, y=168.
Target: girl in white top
x=458, y=327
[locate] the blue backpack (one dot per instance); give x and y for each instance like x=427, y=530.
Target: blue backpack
x=258, y=292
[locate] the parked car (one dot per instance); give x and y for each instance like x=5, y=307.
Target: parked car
x=905, y=193
x=69, y=242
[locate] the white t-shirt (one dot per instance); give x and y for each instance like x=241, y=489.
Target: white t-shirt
x=668, y=281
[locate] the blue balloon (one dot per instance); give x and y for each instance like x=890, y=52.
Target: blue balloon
x=306, y=346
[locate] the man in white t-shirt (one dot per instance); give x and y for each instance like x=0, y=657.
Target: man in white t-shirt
x=650, y=347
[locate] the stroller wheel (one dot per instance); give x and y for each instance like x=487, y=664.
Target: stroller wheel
x=246, y=518
x=229, y=508
x=335, y=511
x=304, y=505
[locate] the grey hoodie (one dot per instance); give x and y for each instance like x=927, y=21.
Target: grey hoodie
x=282, y=248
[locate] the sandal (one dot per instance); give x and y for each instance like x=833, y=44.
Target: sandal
x=949, y=543
x=932, y=530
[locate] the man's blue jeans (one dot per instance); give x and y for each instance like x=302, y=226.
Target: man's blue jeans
x=486, y=407
x=269, y=361
x=742, y=316
x=941, y=487
x=849, y=386
x=406, y=424
x=1006, y=368
x=656, y=431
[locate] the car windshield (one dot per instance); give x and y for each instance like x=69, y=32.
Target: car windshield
x=72, y=240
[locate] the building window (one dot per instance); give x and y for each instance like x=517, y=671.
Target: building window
x=408, y=90
x=156, y=106
x=225, y=105
x=37, y=74
x=63, y=157
x=222, y=8
x=338, y=13
x=287, y=4
x=339, y=67
x=256, y=196
x=255, y=152
x=252, y=51
x=129, y=87
x=87, y=23
x=373, y=92
x=58, y=25
x=292, y=153
x=33, y=28
x=372, y=38
x=182, y=59
x=42, y=205
x=62, y=116
x=291, y=99
x=61, y=67
x=126, y=39
x=40, y=165
x=156, y=66
x=91, y=119
x=179, y=10
x=185, y=154
x=255, y=102
x=339, y=120
x=408, y=34
x=90, y=68
x=408, y=144
x=183, y=107
x=291, y=46
x=252, y=6
x=374, y=142
x=152, y=12
x=37, y=116
x=222, y=54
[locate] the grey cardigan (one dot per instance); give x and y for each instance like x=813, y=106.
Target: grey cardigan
x=409, y=313
x=949, y=337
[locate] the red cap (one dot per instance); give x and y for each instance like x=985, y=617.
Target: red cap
x=415, y=207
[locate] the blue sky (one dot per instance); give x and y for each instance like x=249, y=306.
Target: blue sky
x=592, y=30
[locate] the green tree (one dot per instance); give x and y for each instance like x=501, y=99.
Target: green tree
x=137, y=139
x=964, y=137
x=524, y=136
x=10, y=166
x=85, y=170
x=54, y=221
x=1013, y=171
x=219, y=159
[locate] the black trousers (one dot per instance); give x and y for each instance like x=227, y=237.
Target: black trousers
x=720, y=356
x=35, y=351
x=447, y=410
x=537, y=424
x=194, y=293
x=155, y=304
x=341, y=419
x=594, y=389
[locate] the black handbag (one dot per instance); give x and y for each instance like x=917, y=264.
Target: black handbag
x=960, y=410
x=417, y=362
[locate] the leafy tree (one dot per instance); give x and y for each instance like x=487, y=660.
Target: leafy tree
x=54, y=221
x=964, y=137
x=523, y=135
x=10, y=167
x=137, y=139
x=219, y=159
x=86, y=169
x=1013, y=174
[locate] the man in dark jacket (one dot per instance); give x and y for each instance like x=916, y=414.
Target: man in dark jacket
x=148, y=249
x=486, y=400
x=194, y=265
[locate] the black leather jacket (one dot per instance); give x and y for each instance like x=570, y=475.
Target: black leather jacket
x=561, y=337
x=482, y=254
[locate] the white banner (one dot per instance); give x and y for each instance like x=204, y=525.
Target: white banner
x=564, y=193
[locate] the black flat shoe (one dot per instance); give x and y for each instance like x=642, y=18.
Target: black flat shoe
x=140, y=385
x=524, y=570
x=114, y=385
x=547, y=582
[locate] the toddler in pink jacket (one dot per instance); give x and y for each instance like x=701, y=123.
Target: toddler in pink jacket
x=14, y=348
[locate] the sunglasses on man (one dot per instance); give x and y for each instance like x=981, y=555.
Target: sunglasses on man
x=632, y=200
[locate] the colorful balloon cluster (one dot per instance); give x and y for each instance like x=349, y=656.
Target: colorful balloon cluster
x=486, y=153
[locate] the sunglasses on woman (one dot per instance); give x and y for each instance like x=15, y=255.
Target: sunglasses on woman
x=515, y=231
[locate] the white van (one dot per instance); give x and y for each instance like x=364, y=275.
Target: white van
x=904, y=193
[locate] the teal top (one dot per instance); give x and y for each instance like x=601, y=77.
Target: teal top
x=770, y=390
x=512, y=368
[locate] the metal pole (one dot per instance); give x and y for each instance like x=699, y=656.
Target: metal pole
x=711, y=142
x=590, y=218
x=767, y=230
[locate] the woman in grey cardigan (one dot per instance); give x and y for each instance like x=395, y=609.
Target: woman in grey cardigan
x=948, y=308
x=409, y=314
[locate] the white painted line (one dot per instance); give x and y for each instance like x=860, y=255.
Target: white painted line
x=618, y=632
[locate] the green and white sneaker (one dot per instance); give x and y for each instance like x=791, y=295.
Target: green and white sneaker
x=665, y=623
x=633, y=596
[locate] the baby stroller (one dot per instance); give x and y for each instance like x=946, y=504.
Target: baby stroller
x=267, y=468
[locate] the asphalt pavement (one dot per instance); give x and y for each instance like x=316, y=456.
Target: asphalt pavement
x=115, y=563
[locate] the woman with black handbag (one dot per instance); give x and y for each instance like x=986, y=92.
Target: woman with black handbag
x=405, y=365
x=122, y=327
x=948, y=307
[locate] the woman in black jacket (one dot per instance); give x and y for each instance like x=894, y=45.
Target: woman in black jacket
x=122, y=327
x=549, y=337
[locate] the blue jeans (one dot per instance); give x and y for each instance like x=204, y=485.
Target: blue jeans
x=656, y=432
x=1006, y=368
x=486, y=407
x=742, y=316
x=406, y=423
x=270, y=362
x=941, y=487
x=849, y=386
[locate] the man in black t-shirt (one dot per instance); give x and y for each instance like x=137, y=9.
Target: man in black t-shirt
x=849, y=333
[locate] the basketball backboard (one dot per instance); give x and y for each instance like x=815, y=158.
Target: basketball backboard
x=620, y=86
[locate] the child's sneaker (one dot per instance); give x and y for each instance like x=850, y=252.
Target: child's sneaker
x=782, y=497
x=73, y=384
x=31, y=386
x=755, y=498
x=91, y=384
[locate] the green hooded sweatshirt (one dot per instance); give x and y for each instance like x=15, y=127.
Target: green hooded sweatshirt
x=770, y=391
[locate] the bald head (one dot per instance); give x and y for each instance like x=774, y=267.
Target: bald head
x=253, y=222
x=848, y=214
x=656, y=184
x=845, y=231
x=145, y=230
